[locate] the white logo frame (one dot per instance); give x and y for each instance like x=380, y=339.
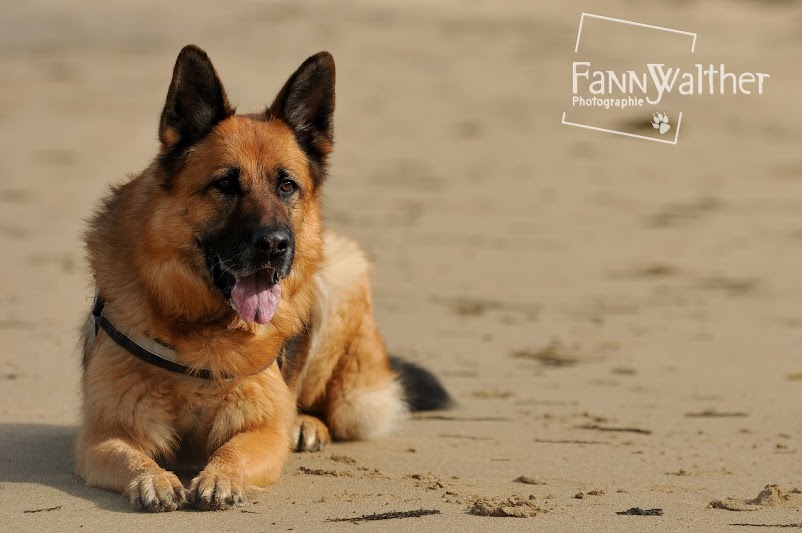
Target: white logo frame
x=631, y=23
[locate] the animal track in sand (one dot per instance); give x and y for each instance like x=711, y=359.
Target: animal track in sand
x=554, y=354
x=581, y=495
x=528, y=480
x=321, y=472
x=514, y=506
x=770, y=496
x=343, y=459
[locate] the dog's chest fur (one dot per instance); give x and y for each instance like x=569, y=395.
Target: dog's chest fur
x=189, y=415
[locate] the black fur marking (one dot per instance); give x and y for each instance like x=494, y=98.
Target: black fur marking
x=196, y=103
x=222, y=279
x=299, y=446
x=306, y=104
x=422, y=390
x=294, y=348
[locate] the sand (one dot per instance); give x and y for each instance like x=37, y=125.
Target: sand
x=615, y=318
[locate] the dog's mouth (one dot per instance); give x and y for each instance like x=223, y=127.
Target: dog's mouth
x=255, y=298
x=254, y=295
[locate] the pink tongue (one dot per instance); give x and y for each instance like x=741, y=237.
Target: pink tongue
x=255, y=298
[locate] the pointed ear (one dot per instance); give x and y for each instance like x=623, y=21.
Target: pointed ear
x=196, y=102
x=306, y=104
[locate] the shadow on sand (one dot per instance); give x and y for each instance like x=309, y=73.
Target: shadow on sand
x=43, y=455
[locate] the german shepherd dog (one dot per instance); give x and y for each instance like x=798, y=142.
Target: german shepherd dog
x=228, y=327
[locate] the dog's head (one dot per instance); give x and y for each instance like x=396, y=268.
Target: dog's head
x=238, y=195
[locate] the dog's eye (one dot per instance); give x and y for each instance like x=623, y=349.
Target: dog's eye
x=286, y=187
x=228, y=185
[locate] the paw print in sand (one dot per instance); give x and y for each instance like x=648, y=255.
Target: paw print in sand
x=660, y=120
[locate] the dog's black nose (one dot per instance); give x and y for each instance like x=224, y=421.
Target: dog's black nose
x=273, y=242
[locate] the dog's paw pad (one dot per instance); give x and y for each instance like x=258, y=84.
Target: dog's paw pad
x=215, y=492
x=157, y=493
x=310, y=434
x=660, y=121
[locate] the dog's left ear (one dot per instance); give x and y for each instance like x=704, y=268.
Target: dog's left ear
x=306, y=104
x=195, y=103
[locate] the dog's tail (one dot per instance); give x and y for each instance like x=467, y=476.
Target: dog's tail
x=422, y=390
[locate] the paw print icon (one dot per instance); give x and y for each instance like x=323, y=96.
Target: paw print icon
x=660, y=121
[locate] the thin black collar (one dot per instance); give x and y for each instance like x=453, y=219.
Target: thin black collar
x=147, y=349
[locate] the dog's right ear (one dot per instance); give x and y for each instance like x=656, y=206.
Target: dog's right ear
x=196, y=102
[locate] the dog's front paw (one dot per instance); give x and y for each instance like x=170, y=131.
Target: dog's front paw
x=157, y=492
x=310, y=434
x=212, y=491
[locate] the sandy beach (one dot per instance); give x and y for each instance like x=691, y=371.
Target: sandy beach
x=619, y=321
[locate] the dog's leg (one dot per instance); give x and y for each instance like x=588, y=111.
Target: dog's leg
x=251, y=458
x=116, y=464
x=364, y=398
x=310, y=434
x=347, y=377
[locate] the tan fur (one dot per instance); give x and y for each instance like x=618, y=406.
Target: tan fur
x=347, y=358
x=138, y=418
